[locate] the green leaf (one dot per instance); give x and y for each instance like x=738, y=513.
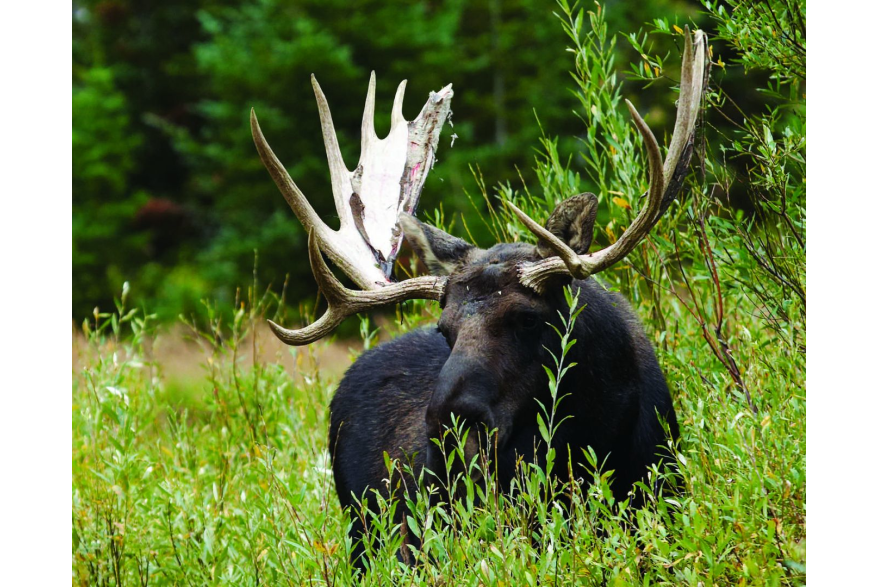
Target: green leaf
x=543, y=430
x=412, y=525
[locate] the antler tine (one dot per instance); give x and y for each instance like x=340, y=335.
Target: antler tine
x=665, y=180
x=332, y=290
x=368, y=116
x=337, y=170
x=643, y=222
x=569, y=257
x=293, y=196
x=396, y=118
x=345, y=302
x=688, y=104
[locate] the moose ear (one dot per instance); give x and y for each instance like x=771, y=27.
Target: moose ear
x=572, y=222
x=441, y=252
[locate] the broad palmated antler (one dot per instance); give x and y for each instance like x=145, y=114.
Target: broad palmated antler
x=386, y=183
x=665, y=180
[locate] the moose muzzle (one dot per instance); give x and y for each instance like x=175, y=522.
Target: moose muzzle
x=465, y=393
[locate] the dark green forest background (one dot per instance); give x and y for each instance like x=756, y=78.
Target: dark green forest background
x=169, y=193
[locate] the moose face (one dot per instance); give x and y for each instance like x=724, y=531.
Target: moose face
x=497, y=329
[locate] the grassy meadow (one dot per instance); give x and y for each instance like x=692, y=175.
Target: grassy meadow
x=227, y=480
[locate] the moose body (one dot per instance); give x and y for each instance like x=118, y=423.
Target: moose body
x=483, y=363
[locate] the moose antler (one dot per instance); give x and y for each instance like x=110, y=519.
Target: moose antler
x=345, y=302
x=386, y=182
x=665, y=181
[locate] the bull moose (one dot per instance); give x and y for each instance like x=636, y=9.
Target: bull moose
x=483, y=361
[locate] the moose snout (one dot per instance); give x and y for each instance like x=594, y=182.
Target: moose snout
x=466, y=389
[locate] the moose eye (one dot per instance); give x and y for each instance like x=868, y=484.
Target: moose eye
x=528, y=321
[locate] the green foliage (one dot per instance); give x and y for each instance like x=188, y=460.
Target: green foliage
x=189, y=71
x=104, y=148
x=225, y=479
x=766, y=252
x=767, y=35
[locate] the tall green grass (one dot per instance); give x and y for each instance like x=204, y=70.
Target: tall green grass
x=234, y=486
